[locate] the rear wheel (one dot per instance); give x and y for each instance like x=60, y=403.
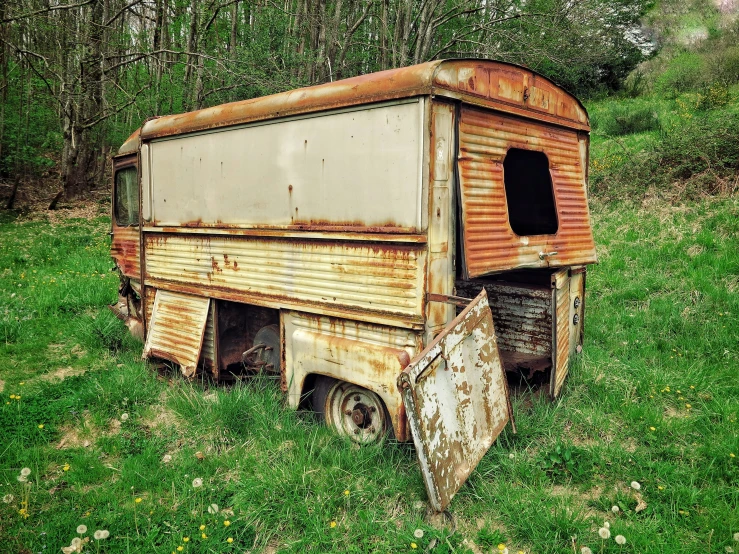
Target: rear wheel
x=350, y=409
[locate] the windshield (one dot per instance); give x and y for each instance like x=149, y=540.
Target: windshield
x=126, y=197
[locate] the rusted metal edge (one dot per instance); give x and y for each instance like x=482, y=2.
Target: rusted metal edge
x=381, y=317
x=389, y=234
x=448, y=299
x=419, y=80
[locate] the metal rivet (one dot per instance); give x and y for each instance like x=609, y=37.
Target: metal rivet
x=356, y=398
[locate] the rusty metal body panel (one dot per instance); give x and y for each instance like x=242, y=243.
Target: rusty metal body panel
x=349, y=350
x=489, y=243
x=456, y=400
x=381, y=282
x=177, y=327
x=125, y=250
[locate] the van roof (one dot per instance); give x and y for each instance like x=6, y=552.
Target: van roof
x=501, y=86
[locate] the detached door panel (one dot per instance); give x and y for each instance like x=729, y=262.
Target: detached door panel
x=456, y=401
x=489, y=242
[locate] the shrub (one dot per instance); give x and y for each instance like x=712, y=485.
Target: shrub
x=685, y=72
x=621, y=119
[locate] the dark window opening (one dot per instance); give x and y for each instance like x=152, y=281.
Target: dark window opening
x=127, y=197
x=529, y=193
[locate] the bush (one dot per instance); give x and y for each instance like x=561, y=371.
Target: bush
x=685, y=72
x=695, y=158
x=620, y=119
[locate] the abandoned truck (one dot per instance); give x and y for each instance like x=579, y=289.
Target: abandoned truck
x=330, y=235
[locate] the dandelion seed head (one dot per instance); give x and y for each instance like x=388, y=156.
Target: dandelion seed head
x=26, y=471
x=97, y=535
x=104, y=533
x=728, y=550
x=604, y=533
x=197, y=483
x=606, y=525
x=8, y=498
x=736, y=537
x=76, y=542
x=167, y=458
x=22, y=479
x=635, y=485
x=213, y=509
x=615, y=509
x=418, y=533
x=124, y=416
x=511, y=456
x=586, y=550
x=620, y=539
x=81, y=529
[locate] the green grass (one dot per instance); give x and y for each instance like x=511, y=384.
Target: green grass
x=662, y=308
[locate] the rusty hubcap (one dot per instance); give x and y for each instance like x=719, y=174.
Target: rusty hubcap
x=356, y=412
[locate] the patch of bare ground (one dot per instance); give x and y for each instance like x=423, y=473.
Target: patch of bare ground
x=2, y=385
x=78, y=437
x=160, y=419
x=62, y=373
x=583, y=499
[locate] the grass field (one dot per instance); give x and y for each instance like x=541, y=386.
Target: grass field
x=113, y=445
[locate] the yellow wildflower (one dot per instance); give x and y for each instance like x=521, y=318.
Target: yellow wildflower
x=229, y=540
x=203, y=535
x=226, y=523
x=202, y=527
x=414, y=545
x=40, y=425
x=501, y=546
x=66, y=467
x=180, y=548
x=732, y=455
x=332, y=524
x=688, y=406
x=346, y=492
x=138, y=501
x=185, y=539
x=652, y=428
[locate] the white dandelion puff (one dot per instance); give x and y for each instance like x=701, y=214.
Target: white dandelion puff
x=22, y=479
x=736, y=537
x=124, y=417
x=213, y=509
x=418, y=533
x=586, y=550
x=81, y=529
x=167, y=458
x=615, y=509
x=76, y=543
x=197, y=482
x=104, y=533
x=606, y=525
x=635, y=485
x=26, y=471
x=8, y=498
x=604, y=533
x=511, y=456
x=620, y=539
x=97, y=535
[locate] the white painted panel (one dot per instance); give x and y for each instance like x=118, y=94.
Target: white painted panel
x=360, y=168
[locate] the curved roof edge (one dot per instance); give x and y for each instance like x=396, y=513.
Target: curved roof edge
x=498, y=85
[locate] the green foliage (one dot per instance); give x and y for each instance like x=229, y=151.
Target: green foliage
x=624, y=119
x=565, y=461
x=685, y=72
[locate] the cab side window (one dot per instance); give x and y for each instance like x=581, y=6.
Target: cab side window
x=529, y=193
x=126, y=197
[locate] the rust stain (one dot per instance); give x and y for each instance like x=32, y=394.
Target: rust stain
x=125, y=250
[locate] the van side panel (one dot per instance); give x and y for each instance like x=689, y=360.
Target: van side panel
x=362, y=280
x=357, y=169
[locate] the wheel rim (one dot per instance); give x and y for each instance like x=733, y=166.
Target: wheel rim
x=356, y=412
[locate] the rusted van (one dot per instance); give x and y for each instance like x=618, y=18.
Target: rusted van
x=349, y=238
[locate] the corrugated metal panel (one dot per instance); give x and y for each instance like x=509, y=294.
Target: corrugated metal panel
x=176, y=330
x=562, y=320
x=386, y=279
x=489, y=243
x=523, y=318
x=456, y=400
x=125, y=250
x=149, y=296
x=208, y=354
